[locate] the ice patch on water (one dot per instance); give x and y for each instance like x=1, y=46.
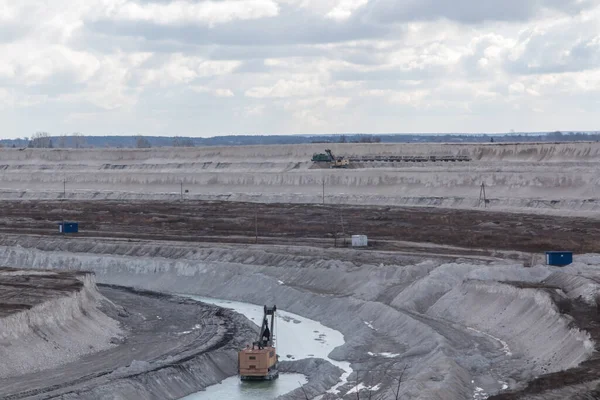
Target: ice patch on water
x=362, y=386
x=356, y=388
x=343, y=379
x=480, y=394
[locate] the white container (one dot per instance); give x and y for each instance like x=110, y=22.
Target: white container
x=359, y=241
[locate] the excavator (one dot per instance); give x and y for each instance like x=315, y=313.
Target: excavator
x=339, y=162
x=335, y=162
x=259, y=362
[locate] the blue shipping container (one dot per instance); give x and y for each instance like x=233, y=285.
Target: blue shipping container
x=68, y=227
x=559, y=258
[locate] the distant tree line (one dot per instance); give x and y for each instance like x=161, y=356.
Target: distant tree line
x=43, y=140
x=77, y=140
x=179, y=141
x=360, y=139
x=40, y=140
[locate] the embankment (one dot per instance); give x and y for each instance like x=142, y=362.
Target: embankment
x=43, y=306
x=170, y=347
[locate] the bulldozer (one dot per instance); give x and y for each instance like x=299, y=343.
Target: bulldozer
x=260, y=362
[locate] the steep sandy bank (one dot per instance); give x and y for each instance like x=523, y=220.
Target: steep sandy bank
x=34, y=337
x=527, y=319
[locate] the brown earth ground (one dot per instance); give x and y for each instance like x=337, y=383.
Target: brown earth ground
x=388, y=228
x=22, y=290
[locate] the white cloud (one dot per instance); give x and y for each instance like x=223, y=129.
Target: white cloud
x=253, y=111
x=204, y=12
x=471, y=11
x=337, y=102
x=345, y=8
x=215, y=92
x=517, y=88
x=316, y=103
x=298, y=65
x=223, y=93
x=286, y=88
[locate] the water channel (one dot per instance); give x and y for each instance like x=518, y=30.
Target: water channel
x=296, y=338
x=233, y=389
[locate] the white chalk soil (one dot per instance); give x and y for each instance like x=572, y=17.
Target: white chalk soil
x=38, y=309
x=164, y=347
x=451, y=330
x=547, y=178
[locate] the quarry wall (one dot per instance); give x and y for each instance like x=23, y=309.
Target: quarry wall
x=542, y=177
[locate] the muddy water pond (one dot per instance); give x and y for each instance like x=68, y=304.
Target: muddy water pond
x=296, y=338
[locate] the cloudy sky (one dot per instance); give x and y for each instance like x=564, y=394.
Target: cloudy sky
x=204, y=68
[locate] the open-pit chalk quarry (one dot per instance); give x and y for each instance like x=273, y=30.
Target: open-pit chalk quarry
x=451, y=326
x=541, y=177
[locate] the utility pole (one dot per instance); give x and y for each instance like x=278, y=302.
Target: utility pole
x=482, y=195
x=181, y=190
x=64, y=199
x=323, y=190
x=256, y=224
x=342, y=220
x=334, y=227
